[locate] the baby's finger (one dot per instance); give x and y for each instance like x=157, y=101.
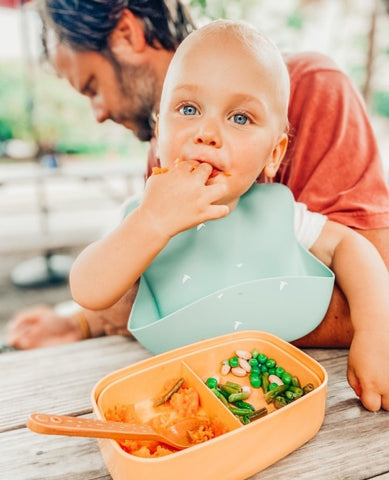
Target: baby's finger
x=216, y=192
x=217, y=211
x=385, y=402
x=371, y=400
x=202, y=170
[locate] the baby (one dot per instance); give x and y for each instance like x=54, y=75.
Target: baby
x=222, y=125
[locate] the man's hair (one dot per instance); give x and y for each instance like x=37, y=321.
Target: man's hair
x=85, y=25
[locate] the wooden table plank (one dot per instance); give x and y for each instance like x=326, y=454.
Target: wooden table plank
x=351, y=445
x=46, y=376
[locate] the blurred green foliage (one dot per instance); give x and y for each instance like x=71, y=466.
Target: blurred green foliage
x=380, y=103
x=35, y=105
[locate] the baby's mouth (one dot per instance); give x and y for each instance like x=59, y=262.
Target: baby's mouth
x=216, y=171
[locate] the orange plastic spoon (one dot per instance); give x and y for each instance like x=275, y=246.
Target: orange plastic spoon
x=175, y=436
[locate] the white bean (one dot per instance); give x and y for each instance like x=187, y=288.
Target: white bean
x=225, y=370
x=245, y=365
x=243, y=354
x=238, y=371
x=275, y=379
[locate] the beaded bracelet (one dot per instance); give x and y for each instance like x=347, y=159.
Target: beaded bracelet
x=84, y=326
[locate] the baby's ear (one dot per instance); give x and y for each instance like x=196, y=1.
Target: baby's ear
x=277, y=155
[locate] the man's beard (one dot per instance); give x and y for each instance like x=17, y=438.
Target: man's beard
x=138, y=91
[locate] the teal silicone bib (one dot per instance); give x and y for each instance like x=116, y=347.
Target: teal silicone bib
x=243, y=272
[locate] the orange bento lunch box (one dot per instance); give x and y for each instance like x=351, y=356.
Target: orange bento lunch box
x=244, y=443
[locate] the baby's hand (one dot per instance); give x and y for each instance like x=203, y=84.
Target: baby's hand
x=368, y=368
x=179, y=198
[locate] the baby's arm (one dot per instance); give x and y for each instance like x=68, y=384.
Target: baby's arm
x=364, y=279
x=174, y=201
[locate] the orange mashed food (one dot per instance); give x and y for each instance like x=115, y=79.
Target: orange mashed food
x=185, y=403
x=159, y=170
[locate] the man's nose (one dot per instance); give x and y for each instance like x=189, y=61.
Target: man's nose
x=209, y=134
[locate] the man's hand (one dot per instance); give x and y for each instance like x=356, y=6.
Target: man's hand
x=40, y=326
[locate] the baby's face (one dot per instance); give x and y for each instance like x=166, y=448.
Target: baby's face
x=219, y=106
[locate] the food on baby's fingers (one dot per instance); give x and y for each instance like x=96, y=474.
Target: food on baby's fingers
x=175, y=403
x=159, y=170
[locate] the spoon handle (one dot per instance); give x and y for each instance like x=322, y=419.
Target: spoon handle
x=89, y=427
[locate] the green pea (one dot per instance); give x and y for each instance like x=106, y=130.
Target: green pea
x=234, y=362
x=270, y=363
x=255, y=353
x=279, y=371
x=262, y=358
x=272, y=371
x=272, y=386
x=255, y=380
x=253, y=362
x=255, y=369
x=264, y=368
x=286, y=378
x=211, y=382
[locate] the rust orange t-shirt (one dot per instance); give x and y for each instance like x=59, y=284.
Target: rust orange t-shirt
x=332, y=162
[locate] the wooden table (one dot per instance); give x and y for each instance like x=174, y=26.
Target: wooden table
x=352, y=443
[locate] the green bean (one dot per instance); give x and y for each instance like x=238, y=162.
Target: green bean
x=258, y=414
x=228, y=389
x=297, y=392
x=280, y=402
x=240, y=411
x=289, y=396
x=295, y=381
x=237, y=386
x=272, y=394
x=242, y=404
x=308, y=388
x=220, y=396
x=165, y=398
x=265, y=381
x=245, y=419
x=234, y=397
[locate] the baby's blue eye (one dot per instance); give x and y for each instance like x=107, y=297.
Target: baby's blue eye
x=188, y=110
x=240, y=119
